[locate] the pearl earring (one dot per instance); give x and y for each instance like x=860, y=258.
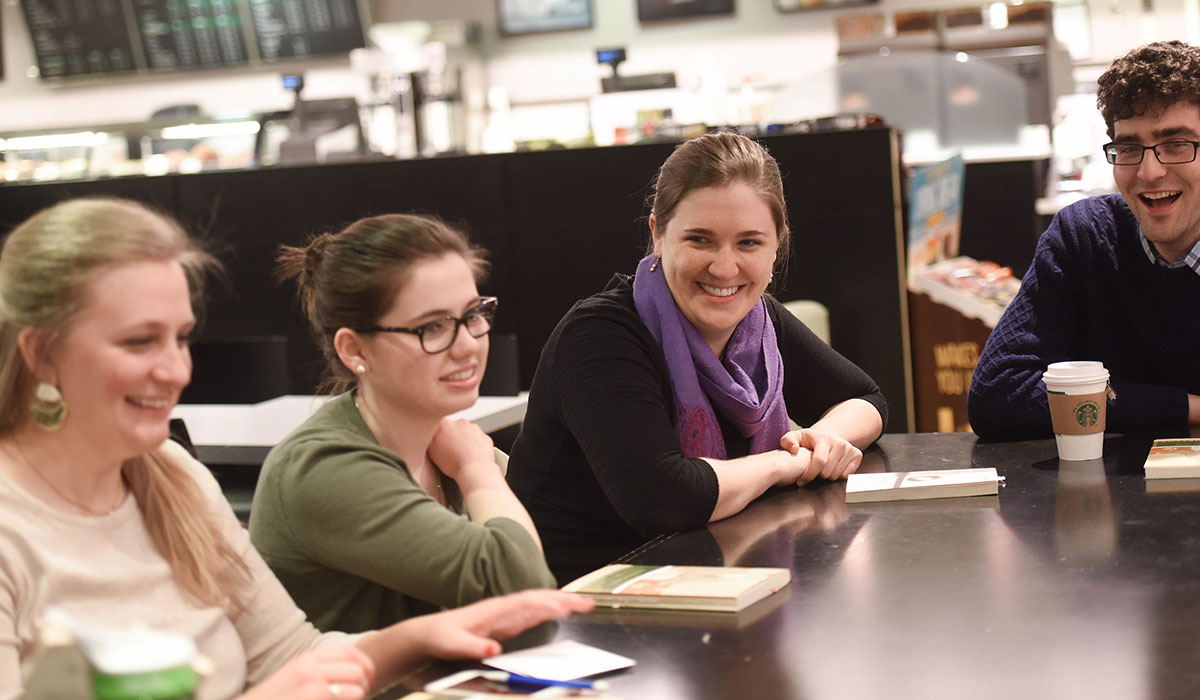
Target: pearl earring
x=360, y=369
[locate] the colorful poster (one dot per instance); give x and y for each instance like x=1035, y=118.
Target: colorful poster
x=935, y=213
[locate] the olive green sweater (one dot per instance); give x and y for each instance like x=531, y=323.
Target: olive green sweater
x=359, y=544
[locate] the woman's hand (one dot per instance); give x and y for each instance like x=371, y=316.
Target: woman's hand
x=463, y=452
x=833, y=457
x=331, y=673
x=471, y=632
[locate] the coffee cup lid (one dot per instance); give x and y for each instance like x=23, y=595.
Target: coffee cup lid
x=1075, y=372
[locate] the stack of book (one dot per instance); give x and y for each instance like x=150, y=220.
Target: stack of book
x=707, y=588
x=906, y=486
x=1177, y=458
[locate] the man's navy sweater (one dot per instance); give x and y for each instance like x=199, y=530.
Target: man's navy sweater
x=1092, y=293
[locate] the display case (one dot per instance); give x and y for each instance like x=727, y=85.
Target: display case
x=183, y=141
x=953, y=307
x=165, y=145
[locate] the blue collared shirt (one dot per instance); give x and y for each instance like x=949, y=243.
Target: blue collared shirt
x=1192, y=259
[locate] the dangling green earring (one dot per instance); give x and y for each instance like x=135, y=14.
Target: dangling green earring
x=48, y=407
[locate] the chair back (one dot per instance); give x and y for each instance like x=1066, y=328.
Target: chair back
x=812, y=314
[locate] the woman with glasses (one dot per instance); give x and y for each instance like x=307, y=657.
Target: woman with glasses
x=379, y=507
x=662, y=403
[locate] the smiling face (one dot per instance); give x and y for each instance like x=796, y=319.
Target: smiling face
x=717, y=253
x=123, y=360
x=403, y=375
x=1164, y=198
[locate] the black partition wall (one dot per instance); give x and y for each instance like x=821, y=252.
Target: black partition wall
x=556, y=224
x=250, y=213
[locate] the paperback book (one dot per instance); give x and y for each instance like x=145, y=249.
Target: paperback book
x=706, y=588
x=905, y=486
x=1177, y=458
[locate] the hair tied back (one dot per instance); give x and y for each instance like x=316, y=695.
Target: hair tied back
x=315, y=253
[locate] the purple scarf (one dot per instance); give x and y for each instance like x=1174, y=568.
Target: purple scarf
x=746, y=386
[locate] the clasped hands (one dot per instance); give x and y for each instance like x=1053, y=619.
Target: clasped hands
x=830, y=456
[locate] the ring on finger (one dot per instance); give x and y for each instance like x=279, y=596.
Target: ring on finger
x=335, y=690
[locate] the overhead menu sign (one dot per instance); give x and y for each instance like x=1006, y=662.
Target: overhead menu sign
x=305, y=28
x=190, y=33
x=74, y=38
x=79, y=37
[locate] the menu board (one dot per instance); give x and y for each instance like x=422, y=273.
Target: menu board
x=74, y=38
x=79, y=37
x=304, y=28
x=190, y=33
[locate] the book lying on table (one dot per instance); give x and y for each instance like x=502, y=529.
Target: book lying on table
x=905, y=486
x=710, y=588
x=1177, y=458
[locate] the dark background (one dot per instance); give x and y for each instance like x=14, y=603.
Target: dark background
x=558, y=224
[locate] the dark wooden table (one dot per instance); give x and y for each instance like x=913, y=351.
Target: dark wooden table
x=1079, y=580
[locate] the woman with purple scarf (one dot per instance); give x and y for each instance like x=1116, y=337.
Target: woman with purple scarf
x=662, y=403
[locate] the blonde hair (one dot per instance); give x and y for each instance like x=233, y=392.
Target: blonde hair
x=44, y=266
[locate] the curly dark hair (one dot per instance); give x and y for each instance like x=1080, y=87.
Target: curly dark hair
x=1149, y=79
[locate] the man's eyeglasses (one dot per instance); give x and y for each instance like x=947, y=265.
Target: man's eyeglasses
x=437, y=336
x=1168, y=153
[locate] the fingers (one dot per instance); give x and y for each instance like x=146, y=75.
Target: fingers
x=822, y=448
x=347, y=670
x=459, y=444
x=518, y=612
x=333, y=673
x=461, y=427
x=852, y=464
x=461, y=643
x=840, y=461
x=790, y=442
x=470, y=632
x=833, y=457
x=347, y=666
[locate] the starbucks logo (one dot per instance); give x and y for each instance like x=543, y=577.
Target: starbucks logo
x=1087, y=414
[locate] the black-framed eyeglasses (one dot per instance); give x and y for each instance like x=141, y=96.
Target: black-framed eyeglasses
x=1168, y=152
x=438, y=335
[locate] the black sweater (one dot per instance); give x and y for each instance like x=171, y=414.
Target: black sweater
x=598, y=463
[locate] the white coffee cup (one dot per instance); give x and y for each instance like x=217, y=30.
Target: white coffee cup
x=1076, y=392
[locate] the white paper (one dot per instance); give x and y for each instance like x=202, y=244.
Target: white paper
x=566, y=660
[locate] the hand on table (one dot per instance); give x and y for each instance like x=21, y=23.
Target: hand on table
x=330, y=673
x=833, y=457
x=471, y=632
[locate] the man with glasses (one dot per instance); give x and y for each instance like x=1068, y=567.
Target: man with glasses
x=1116, y=278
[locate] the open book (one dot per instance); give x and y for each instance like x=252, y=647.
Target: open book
x=1177, y=458
x=904, y=486
x=710, y=588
